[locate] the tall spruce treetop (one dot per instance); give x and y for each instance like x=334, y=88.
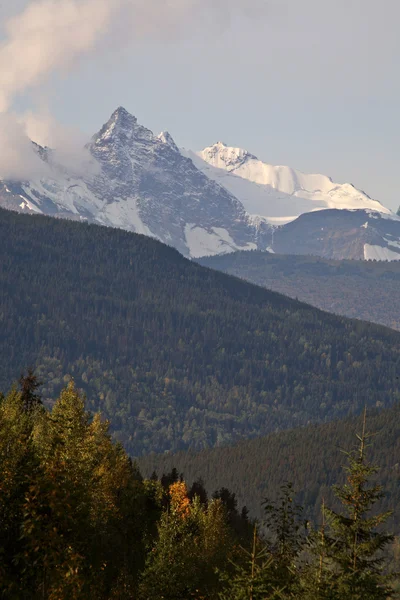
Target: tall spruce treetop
x=357, y=541
x=28, y=384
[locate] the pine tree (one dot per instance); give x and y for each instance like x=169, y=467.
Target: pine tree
x=317, y=577
x=29, y=383
x=357, y=541
x=251, y=578
x=193, y=540
x=286, y=531
x=18, y=466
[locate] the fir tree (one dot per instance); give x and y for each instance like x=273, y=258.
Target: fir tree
x=356, y=539
x=287, y=538
x=29, y=383
x=252, y=577
x=317, y=575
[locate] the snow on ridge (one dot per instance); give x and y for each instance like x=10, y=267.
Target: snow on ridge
x=373, y=252
x=208, y=243
x=278, y=192
x=166, y=138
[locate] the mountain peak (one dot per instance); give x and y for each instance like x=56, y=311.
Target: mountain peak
x=225, y=157
x=124, y=127
x=166, y=138
x=121, y=120
x=122, y=115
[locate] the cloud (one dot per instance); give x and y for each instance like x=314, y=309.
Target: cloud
x=46, y=36
x=42, y=37
x=18, y=160
x=53, y=35
x=67, y=143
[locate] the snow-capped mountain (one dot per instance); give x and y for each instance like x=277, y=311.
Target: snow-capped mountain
x=216, y=201
x=142, y=183
x=341, y=234
x=278, y=194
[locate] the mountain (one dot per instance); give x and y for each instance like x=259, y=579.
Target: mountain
x=215, y=202
x=139, y=182
x=177, y=355
x=278, y=194
x=363, y=290
x=341, y=234
x=311, y=458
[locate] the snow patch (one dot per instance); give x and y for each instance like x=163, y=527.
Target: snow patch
x=278, y=192
x=27, y=204
x=124, y=214
x=208, y=243
x=379, y=253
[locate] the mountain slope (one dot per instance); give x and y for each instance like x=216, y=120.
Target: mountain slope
x=310, y=457
x=142, y=183
x=341, y=234
x=219, y=202
x=364, y=290
x=177, y=355
x=278, y=194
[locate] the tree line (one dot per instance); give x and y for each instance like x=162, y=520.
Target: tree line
x=175, y=355
x=367, y=290
x=78, y=520
x=310, y=457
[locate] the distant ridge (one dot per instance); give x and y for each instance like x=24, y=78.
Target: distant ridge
x=178, y=356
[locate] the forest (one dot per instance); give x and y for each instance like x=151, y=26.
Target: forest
x=367, y=290
x=177, y=356
x=78, y=521
x=310, y=457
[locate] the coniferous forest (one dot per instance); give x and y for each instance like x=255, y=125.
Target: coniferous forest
x=78, y=521
x=368, y=290
x=310, y=457
x=176, y=355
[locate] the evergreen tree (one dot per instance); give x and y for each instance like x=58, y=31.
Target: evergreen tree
x=18, y=467
x=251, y=578
x=192, y=541
x=356, y=538
x=286, y=531
x=29, y=383
x=317, y=577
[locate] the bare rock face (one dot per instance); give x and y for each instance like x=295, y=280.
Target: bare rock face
x=203, y=204
x=341, y=234
x=139, y=182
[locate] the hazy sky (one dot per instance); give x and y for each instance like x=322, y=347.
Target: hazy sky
x=313, y=84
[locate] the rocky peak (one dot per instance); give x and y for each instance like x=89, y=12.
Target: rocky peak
x=166, y=138
x=225, y=157
x=122, y=127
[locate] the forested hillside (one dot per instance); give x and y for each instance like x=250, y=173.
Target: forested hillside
x=311, y=458
x=78, y=521
x=177, y=355
x=356, y=289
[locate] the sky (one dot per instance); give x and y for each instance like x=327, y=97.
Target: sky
x=313, y=84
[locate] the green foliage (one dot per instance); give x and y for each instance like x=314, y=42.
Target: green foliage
x=309, y=457
x=252, y=578
x=175, y=355
x=286, y=533
x=71, y=503
x=357, y=540
x=29, y=384
x=192, y=541
x=78, y=521
x=353, y=288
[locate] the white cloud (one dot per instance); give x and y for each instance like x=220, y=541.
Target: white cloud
x=17, y=157
x=67, y=143
x=52, y=35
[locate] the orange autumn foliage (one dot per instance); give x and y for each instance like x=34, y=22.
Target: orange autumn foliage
x=180, y=502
